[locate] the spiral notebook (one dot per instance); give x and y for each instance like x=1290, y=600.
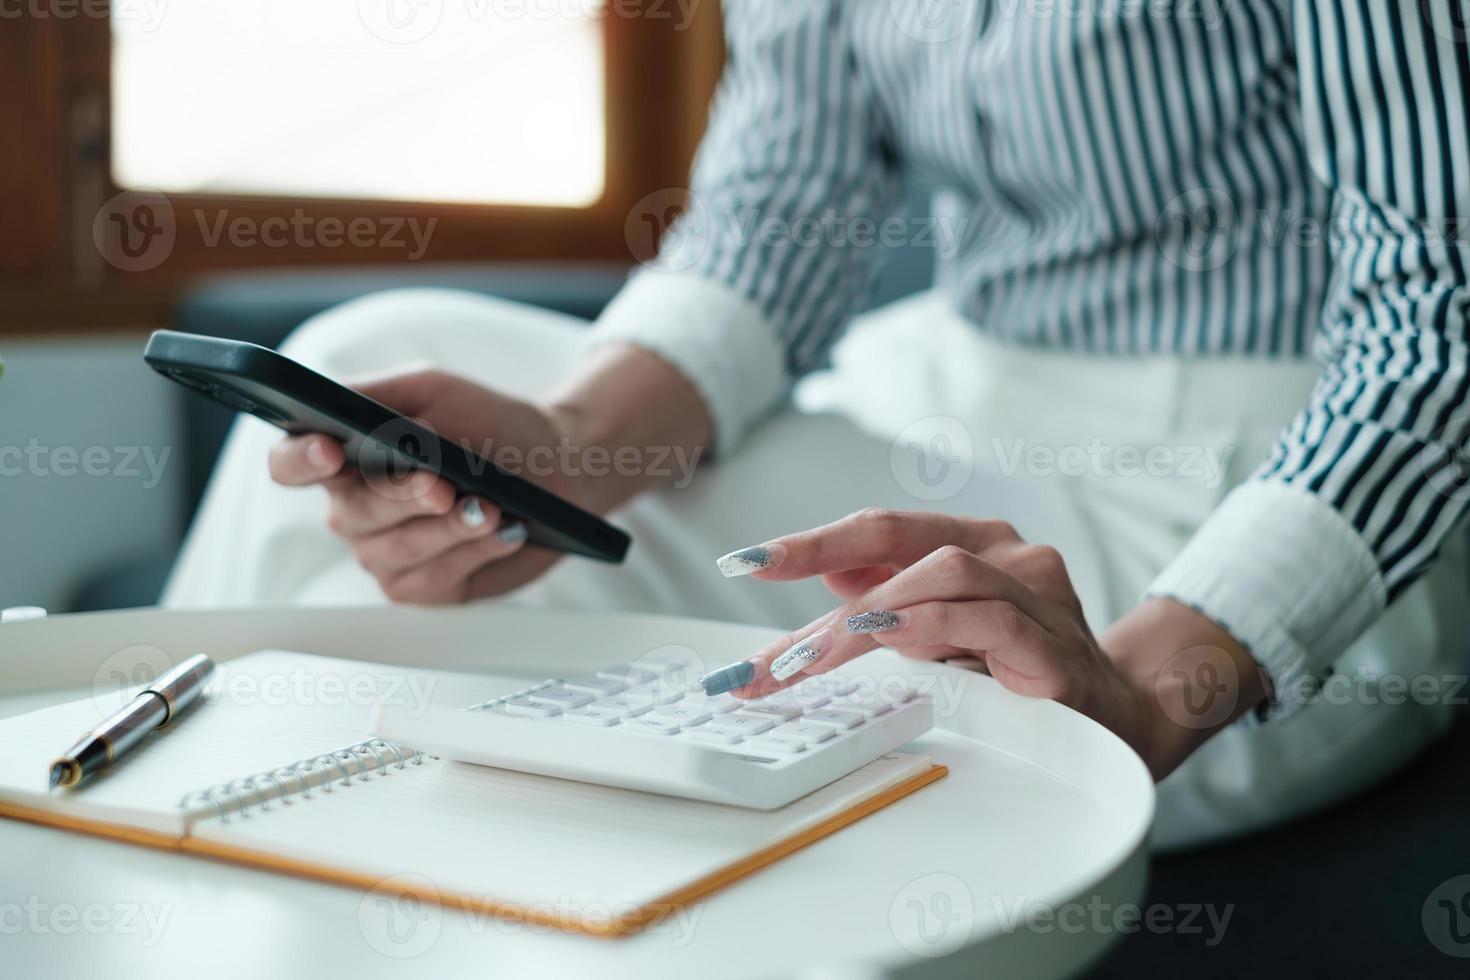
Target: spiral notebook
x=274, y=768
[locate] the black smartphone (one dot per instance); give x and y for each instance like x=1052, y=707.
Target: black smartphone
x=379, y=441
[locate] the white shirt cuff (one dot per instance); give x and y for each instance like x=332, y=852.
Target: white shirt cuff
x=716, y=337
x=1287, y=576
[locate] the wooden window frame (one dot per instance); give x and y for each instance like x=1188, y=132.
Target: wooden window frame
x=56, y=177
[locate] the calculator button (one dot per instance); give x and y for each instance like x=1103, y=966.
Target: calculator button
x=628, y=674
x=810, y=696
x=749, y=724
x=593, y=715
x=526, y=708
x=652, y=726
x=774, y=708
x=832, y=716
x=627, y=705
x=657, y=693
x=869, y=705
x=603, y=687
x=804, y=731
x=783, y=744
x=722, y=703
x=684, y=713
x=561, y=696
x=715, y=733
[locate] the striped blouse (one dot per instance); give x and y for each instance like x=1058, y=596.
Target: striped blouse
x=1264, y=177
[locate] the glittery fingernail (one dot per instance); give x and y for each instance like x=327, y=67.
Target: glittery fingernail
x=472, y=513
x=748, y=560
x=873, y=622
x=802, y=655
x=512, y=533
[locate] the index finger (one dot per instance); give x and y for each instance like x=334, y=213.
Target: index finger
x=868, y=537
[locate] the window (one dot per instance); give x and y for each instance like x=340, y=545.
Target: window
x=523, y=129
x=392, y=100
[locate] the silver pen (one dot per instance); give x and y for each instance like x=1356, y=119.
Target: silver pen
x=155, y=706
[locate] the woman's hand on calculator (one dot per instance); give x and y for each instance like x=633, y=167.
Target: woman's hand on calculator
x=937, y=587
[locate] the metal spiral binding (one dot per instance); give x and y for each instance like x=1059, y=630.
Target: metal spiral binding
x=361, y=760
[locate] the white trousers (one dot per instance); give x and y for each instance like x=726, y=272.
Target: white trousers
x=1115, y=461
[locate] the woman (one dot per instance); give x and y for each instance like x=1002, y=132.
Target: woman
x=1150, y=216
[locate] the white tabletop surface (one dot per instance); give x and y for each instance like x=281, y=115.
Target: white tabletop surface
x=1004, y=868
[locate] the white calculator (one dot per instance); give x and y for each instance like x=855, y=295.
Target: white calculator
x=651, y=730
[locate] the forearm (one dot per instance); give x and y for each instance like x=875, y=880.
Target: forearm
x=1183, y=678
x=640, y=412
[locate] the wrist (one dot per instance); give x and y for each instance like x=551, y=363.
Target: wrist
x=1185, y=678
x=641, y=419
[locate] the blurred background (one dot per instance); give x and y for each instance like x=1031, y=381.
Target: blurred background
x=231, y=168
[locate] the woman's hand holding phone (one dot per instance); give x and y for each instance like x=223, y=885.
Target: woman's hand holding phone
x=425, y=547
x=417, y=540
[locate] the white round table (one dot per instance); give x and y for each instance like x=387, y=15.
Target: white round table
x=1023, y=862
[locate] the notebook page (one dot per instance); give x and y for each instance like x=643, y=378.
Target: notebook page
x=259, y=712
x=536, y=841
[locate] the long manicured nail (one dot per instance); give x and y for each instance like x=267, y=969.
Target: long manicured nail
x=512, y=533
x=748, y=560
x=472, y=513
x=874, y=622
x=802, y=655
x=728, y=678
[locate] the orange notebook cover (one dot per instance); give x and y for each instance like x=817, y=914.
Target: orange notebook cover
x=371, y=815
